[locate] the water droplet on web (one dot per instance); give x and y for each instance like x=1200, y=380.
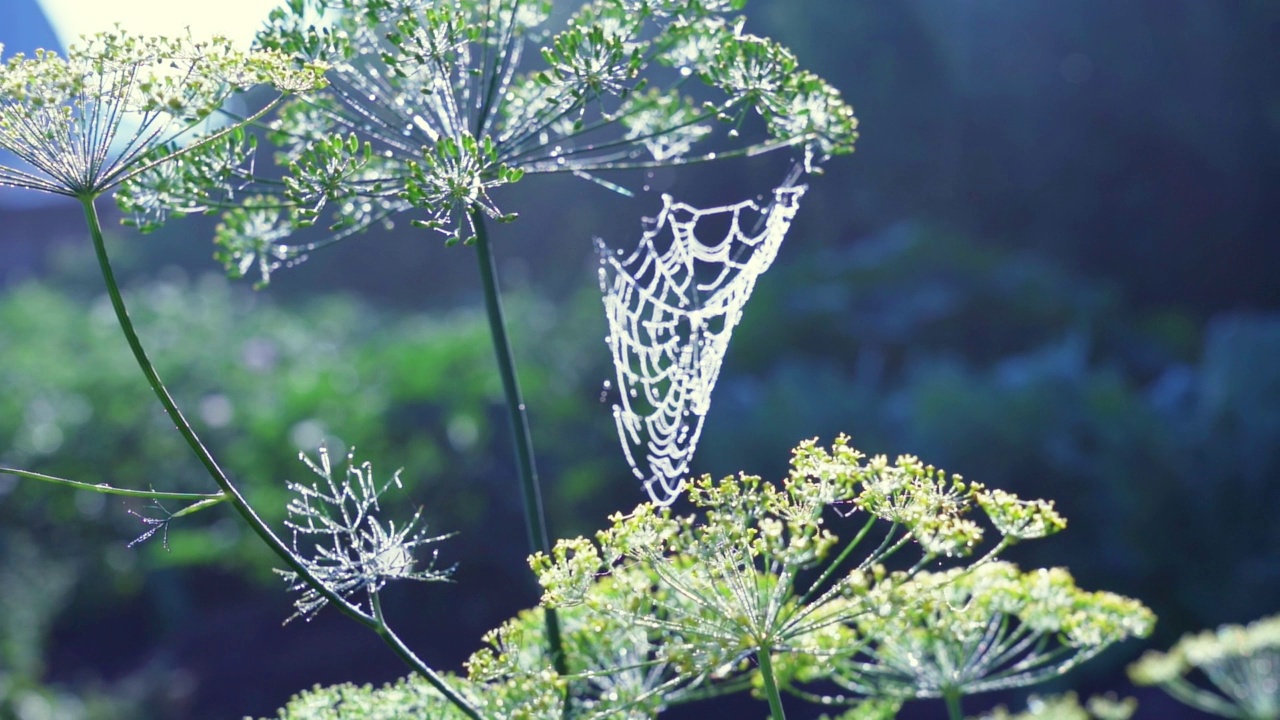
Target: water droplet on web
x=666, y=338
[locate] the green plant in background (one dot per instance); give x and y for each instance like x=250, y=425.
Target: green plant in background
x=756, y=582
x=427, y=109
x=1067, y=707
x=1241, y=664
x=431, y=107
x=1124, y=411
x=36, y=587
x=989, y=628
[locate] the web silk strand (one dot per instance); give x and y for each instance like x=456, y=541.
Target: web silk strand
x=672, y=306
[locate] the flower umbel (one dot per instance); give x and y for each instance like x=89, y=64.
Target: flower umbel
x=450, y=101
x=1242, y=663
x=1068, y=707
x=761, y=573
x=990, y=627
x=83, y=124
x=353, y=551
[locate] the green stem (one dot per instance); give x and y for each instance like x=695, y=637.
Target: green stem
x=233, y=494
x=106, y=489
x=390, y=638
x=835, y=565
x=770, y=684
x=1201, y=699
x=952, y=698
x=535, y=518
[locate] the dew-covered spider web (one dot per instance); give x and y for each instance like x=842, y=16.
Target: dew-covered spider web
x=672, y=306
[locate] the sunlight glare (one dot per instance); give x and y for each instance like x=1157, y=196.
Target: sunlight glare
x=235, y=19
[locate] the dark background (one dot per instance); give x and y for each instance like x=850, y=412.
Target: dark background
x=1051, y=266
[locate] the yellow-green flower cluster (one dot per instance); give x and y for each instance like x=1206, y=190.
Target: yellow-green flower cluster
x=759, y=568
x=446, y=96
x=83, y=124
x=1241, y=662
x=1068, y=707
x=989, y=627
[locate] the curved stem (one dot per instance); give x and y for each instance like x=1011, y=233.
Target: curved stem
x=233, y=494
x=535, y=517
x=391, y=639
x=106, y=489
x=835, y=564
x=1201, y=699
x=770, y=684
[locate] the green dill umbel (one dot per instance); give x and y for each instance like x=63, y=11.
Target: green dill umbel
x=1241, y=664
x=430, y=109
x=432, y=106
x=854, y=582
x=758, y=592
x=83, y=124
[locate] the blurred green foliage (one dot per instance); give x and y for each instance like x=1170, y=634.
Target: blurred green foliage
x=264, y=383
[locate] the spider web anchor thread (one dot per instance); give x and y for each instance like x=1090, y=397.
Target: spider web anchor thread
x=672, y=305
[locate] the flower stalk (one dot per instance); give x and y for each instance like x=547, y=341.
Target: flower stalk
x=521, y=437
x=770, y=684
x=105, y=489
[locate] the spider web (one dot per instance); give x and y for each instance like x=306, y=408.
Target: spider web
x=672, y=306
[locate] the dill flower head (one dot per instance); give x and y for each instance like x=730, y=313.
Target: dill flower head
x=450, y=101
x=1241, y=663
x=614, y=671
x=1067, y=707
x=760, y=568
x=82, y=124
x=353, y=552
x=989, y=627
